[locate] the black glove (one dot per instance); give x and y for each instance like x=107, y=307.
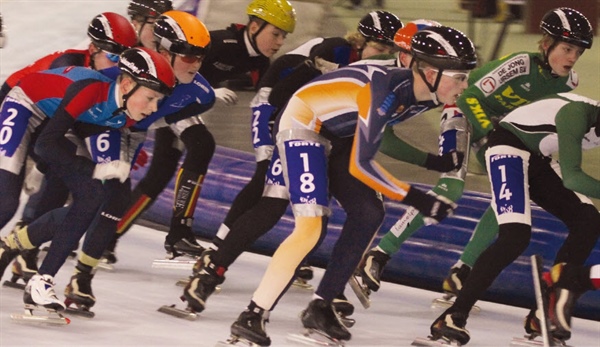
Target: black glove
x=446, y=162
x=435, y=208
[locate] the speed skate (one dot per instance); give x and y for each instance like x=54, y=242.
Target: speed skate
x=361, y=291
x=52, y=317
x=311, y=337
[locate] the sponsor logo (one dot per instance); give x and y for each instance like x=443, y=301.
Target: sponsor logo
x=512, y=68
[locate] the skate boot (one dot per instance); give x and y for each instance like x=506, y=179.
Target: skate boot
x=532, y=321
x=457, y=276
x=39, y=291
x=202, y=285
x=568, y=287
x=7, y=254
x=203, y=260
x=303, y=274
x=79, y=289
x=109, y=255
x=321, y=318
x=250, y=326
x=450, y=327
x=344, y=308
x=24, y=267
x=342, y=305
x=371, y=268
x=184, y=246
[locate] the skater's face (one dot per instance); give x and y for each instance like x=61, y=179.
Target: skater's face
x=145, y=29
x=563, y=57
x=269, y=40
x=143, y=101
x=452, y=84
x=102, y=60
x=186, y=66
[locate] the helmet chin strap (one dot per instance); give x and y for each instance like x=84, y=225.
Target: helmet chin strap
x=252, y=38
x=123, y=109
x=432, y=88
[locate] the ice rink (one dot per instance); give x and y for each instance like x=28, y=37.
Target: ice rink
x=129, y=296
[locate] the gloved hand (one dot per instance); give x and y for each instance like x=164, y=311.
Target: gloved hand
x=141, y=160
x=446, y=162
x=228, y=96
x=433, y=207
x=113, y=169
x=33, y=181
x=325, y=66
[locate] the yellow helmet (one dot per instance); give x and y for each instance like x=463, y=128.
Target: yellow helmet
x=181, y=32
x=279, y=13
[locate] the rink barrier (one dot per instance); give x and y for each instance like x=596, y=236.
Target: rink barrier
x=422, y=262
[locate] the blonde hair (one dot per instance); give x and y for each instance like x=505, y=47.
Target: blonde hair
x=356, y=39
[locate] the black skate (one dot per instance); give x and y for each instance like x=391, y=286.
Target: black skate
x=79, y=297
x=303, y=275
x=371, y=268
x=202, y=286
x=452, y=285
x=249, y=330
x=322, y=325
x=344, y=309
x=450, y=328
x=6, y=256
x=185, y=246
x=109, y=256
x=23, y=268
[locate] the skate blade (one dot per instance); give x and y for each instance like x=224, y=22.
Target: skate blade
x=443, y=303
x=78, y=310
x=236, y=341
x=347, y=322
x=176, y=264
x=178, y=313
x=14, y=285
x=314, y=338
x=429, y=342
x=361, y=292
x=106, y=266
x=302, y=284
x=52, y=318
x=528, y=341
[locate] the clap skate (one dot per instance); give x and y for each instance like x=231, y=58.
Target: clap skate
x=79, y=297
x=343, y=309
x=361, y=290
x=539, y=323
x=452, y=285
x=303, y=275
x=323, y=326
x=431, y=342
x=39, y=294
x=249, y=330
x=172, y=310
x=23, y=268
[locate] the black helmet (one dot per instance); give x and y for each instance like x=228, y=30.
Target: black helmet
x=568, y=25
x=148, y=8
x=380, y=26
x=149, y=69
x=444, y=48
x=112, y=32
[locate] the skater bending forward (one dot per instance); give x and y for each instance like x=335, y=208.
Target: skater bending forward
x=328, y=135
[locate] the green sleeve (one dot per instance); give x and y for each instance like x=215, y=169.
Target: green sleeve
x=394, y=147
x=572, y=123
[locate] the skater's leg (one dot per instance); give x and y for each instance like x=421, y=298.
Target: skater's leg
x=53, y=194
x=246, y=199
x=11, y=190
x=167, y=151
